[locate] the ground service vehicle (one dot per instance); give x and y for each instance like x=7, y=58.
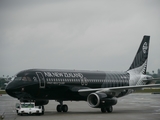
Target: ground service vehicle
x=29, y=108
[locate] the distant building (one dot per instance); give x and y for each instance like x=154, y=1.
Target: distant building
x=158, y=72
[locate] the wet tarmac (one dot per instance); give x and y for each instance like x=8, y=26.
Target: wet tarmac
x=136, y=106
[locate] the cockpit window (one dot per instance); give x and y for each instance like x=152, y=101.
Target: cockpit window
x=26, y=79
x=23, y=79
x=18, y=78
x=12, y=78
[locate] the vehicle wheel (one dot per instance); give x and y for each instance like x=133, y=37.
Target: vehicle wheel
x=59, y=108
x=42, y=112
x=109, y=109
x=64, y=108
x=103, y=109
x=18, y=114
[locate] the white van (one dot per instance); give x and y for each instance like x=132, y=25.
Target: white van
x=29, y=108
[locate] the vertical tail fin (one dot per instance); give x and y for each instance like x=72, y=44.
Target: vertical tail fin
x=139, y=64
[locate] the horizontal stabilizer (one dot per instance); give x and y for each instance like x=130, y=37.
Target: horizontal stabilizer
x=151, y=81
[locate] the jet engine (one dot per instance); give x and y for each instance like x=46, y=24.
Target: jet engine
x=98, y=100
x=41, y=102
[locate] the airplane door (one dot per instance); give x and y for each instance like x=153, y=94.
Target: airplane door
x=41, y=80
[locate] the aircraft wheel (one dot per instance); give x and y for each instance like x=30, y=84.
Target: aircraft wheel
x=109, y=109
x=103, y=109
x=59, y=108
x=64, y=108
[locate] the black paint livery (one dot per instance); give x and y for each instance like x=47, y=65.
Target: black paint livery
x=100, y=89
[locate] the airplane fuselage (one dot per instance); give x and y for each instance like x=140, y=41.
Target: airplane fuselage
x=64, y=84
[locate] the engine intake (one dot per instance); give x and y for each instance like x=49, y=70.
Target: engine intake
x=97, y=100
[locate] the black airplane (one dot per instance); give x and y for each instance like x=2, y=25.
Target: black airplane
x=99, y=88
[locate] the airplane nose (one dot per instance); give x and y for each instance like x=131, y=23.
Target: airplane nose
x=10, y=89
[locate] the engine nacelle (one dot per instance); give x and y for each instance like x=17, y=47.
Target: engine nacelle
x=41, y=102
x=98, y=100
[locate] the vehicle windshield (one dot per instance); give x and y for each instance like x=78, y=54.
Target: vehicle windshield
x=27, y=105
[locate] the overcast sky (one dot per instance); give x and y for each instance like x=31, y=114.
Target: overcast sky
x=81, y=35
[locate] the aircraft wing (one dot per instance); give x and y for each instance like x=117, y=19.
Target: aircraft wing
x=115, y=91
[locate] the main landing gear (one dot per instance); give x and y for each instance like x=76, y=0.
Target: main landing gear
x=109, y=109
x=61, y=107
x=64, y=108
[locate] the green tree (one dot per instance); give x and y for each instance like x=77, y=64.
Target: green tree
x=2, y=81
